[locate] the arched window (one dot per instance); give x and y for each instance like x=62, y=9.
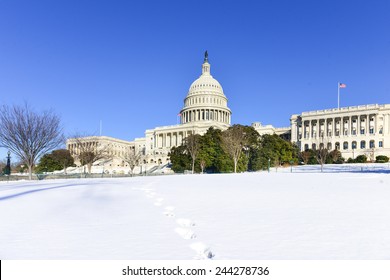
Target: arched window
x=354, y=145
x=345, y=145
x=372, y=144
x=306, y=147
x=362, y=144
x=329, y=147
x=314, y=146
x=337, y=146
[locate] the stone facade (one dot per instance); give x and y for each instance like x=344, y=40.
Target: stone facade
x=353, y=130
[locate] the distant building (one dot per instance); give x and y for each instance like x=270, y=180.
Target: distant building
x=353, y=130
x=283, y=132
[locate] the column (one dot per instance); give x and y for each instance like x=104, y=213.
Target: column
x=351, y=123
x=376, y=128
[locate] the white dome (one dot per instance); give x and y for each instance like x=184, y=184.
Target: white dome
x=205, y=84
x=205, y=100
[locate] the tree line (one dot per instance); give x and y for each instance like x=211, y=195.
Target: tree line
x=237, y=149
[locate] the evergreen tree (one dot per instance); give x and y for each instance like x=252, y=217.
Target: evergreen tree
x=180, y=159
x=56, y=160
x=277, y=150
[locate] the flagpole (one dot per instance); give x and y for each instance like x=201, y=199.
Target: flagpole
x=338, y=95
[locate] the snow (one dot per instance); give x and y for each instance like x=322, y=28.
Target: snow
x=343, y=213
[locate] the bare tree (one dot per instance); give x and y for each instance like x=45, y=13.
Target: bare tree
x=305, y=155
x=132, y=158
x=202, y=164
x=29, y=134
x=371, y=155
x=335, y=155
x=277, y=163
x=193, y=146
x=233, y=141
x=321, y=155
x=89, y=150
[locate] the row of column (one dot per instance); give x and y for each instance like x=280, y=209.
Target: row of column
x=76, y=149
x=338, y=126
x=205, y=115
x=170, y=139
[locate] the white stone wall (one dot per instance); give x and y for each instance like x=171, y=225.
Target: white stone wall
x=353, y=130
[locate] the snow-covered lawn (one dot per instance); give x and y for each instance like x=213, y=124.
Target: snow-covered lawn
x=300, y=215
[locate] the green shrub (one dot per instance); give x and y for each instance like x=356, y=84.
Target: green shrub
x=382, y=159
x=361, y=159
x=351, y=160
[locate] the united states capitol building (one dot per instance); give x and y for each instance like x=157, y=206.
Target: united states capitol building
x=352, y=130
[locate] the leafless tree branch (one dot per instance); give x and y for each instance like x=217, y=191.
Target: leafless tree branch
x=29, y=134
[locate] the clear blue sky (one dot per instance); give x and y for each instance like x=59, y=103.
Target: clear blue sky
x=130, y=63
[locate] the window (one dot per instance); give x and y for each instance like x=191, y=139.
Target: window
x=337, y=146
x=362, y=131
x=329, y=146
x=306, y=147
x=362, y=144
x=354, y=144
x=345, y=146
x=372, y=144
x=381, y=130
x=354, y=132
x=371, y=130
x=314, y=146
x=380, y=144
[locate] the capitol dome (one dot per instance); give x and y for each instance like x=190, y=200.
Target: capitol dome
x=205, y=100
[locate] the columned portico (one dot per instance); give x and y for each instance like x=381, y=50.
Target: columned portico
x=354, y=130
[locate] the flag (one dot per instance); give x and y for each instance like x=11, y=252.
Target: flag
x=179, y=115
x=341, y=85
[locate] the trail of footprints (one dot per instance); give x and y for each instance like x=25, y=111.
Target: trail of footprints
x=184, y=227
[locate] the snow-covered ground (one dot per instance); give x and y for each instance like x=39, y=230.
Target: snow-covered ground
x=277, y=215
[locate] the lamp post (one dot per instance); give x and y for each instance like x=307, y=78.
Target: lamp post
x=269, y=162
x=7, y=170
x=291, y=164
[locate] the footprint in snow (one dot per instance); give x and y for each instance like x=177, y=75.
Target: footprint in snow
x=185, y=223
x=185, y=233
x=203, y=252
x=169, y=211
x=158, y=201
